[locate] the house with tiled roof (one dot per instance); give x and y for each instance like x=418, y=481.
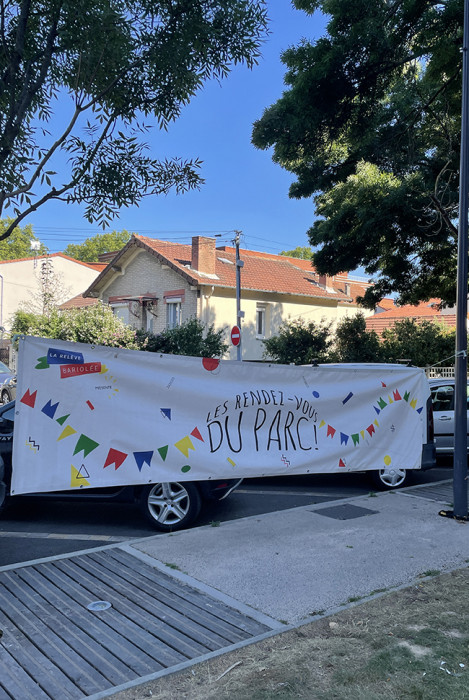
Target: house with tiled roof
x=22, y=280
x=425, y=311
x=155, y=285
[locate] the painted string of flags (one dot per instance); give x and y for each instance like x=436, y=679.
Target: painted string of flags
x=73, y=365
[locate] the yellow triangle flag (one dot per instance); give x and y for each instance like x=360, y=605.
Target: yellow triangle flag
x=184, y=445
x=413, y=403
x=390, y=399
x=376, y=423
x=77, y=479
x=66, y=432
x=323, y=422
x=362, y=433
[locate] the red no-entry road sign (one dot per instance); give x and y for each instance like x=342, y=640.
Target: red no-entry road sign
x=235, y=335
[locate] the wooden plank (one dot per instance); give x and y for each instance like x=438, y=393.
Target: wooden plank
x=190, y=595
x=62, y=624
x=15, y=682
x=175, y=629
x=50, y=679
x=147, y=645
x=106, y=632
x=150, y=602
x=136, y=624
x=62, y=662
x=179, y=594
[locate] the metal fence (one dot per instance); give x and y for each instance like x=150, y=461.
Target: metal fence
x=440, y=373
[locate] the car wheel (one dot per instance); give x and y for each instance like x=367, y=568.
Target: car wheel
x=170, y=505
x=5, y=396
x=388, y=479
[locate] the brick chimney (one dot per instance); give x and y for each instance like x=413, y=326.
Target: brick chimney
x=203, y=254
x=325, y=281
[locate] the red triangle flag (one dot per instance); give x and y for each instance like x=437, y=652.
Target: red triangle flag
x=29, y=399
x=196, y=433
x=115, y=457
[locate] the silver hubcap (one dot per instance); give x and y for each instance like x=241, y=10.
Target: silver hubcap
x=393, y=477
x=168, y=503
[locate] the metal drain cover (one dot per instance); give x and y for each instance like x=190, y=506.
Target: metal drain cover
x=346, y=511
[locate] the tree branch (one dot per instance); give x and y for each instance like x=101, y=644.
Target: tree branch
x=444, y=214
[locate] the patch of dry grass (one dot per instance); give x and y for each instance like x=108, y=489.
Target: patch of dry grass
x=411, y=644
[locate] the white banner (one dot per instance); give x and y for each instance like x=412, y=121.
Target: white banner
x=91, y=416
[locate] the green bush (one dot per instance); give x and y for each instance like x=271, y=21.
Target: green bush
x=97, y=325
x=190, y=338
x=299, y=342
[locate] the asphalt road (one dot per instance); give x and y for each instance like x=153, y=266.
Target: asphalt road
x=33, y=530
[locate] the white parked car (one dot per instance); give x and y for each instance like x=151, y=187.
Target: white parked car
x=442, y=391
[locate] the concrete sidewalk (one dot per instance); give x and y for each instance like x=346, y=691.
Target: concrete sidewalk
x=167, y=602
x=290, y=565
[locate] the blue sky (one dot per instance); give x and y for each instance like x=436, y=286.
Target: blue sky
x=244, y=189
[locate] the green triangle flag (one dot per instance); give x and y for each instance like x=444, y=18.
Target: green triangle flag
x=163, y=451
x=86, y=444
x=62, y=420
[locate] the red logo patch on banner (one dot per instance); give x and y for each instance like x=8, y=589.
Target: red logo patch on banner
x=78, y=370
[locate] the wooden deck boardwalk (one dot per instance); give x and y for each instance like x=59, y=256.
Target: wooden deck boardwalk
x=54, y=647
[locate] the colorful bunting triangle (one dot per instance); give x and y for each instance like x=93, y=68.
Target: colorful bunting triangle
x=86, y=444
x=163, y=451
x=62, y=420
x=50, y=409
x=115, y=457
x=66, y=432
x=142, y=458
x=29, y=399
x=184, y=445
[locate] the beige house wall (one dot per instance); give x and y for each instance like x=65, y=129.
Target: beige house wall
x=142, y=273
x=20, y=284
x=218, y=307
x=345, y=311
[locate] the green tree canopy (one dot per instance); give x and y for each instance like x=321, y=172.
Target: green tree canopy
x=424, y=344
x=91, y=248
x=299, y=342
x=370, y=126
x=98, y=325
x=303, y=252
x=94, y=324
x=18, y=244
x=190, y=338
x=115, y=67
x=354, y=343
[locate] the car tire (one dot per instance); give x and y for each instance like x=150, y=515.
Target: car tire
x=5, y=397
x=390, y=479
x=170, y=506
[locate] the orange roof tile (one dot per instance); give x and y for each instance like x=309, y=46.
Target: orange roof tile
x=425, y=311
x=261, y=272
x=79, y=302
x=55, y=255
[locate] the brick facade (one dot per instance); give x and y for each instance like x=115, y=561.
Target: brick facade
x=145, y=274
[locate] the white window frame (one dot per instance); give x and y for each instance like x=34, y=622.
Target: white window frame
x=173, y=312
x=261, y=320
x=121, y=310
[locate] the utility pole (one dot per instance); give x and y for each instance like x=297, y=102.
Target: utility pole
x=460, y=398
x=239, y=313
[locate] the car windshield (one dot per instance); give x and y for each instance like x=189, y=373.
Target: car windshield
x=4, y=369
